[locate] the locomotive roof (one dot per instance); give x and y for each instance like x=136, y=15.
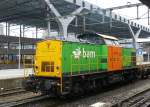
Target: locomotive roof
x=80, y=36
x=96, y=35
x=107, y=37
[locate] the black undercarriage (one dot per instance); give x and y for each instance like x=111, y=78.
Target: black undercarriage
x=76, y=84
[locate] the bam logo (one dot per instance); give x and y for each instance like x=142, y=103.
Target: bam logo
x=77, y=53
x=85, y=54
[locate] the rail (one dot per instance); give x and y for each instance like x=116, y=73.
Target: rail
x=133, y=101
x=12, y=92
x=24, y=101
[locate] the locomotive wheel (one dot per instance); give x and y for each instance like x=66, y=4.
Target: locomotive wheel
x=77, y=89
x=144, y=75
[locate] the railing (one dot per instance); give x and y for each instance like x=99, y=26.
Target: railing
x=129, y=61
x=79, y=65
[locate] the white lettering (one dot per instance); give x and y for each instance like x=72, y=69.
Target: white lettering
x=85, y=54
x=88, y=54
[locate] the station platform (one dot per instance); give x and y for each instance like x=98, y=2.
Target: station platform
x=12, y=78
x=14, y=73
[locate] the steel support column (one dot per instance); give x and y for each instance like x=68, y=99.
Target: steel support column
x=76, y=22
x=8, y=34
x=134, y=36
x=36, y=28
x=84, y=24
x=63, y=22
x=19, y=50
x=6, y=28
x=110, y=21
x=23, y=31
x=103, y=17
x=137, y=12
x=49, y=28
x=148, y=17
x=63, y=30
x=148, y=57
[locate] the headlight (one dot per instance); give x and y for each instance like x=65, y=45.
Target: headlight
x=36, y=69
x=58, y=72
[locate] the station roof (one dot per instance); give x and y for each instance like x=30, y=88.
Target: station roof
x=146, y=2
x=34, y=13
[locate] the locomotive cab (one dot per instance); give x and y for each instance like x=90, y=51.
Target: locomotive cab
x=47, y=68
x=47, y=59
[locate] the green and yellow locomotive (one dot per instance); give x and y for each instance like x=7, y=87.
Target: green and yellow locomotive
x=63, y=67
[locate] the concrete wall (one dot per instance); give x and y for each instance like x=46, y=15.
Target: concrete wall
x=10, y=83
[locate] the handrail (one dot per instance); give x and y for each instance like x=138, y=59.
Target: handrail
x=27, y=65
x=89, y=64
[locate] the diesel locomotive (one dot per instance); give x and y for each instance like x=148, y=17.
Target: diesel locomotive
x=95, y=60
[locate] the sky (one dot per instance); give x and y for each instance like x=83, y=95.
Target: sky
x=129, y=13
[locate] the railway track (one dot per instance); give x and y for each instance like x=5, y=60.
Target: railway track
x=23, y=101
x=140, y=99
x=12, y=92
x=135, y=98
x=118, y=96
x=20, y=97
x=6, y=90
x=13, y=97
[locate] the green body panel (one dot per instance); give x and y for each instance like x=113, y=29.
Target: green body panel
x=133, y=57
x=82, y=57
x=127, y=57
x=103, y=57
